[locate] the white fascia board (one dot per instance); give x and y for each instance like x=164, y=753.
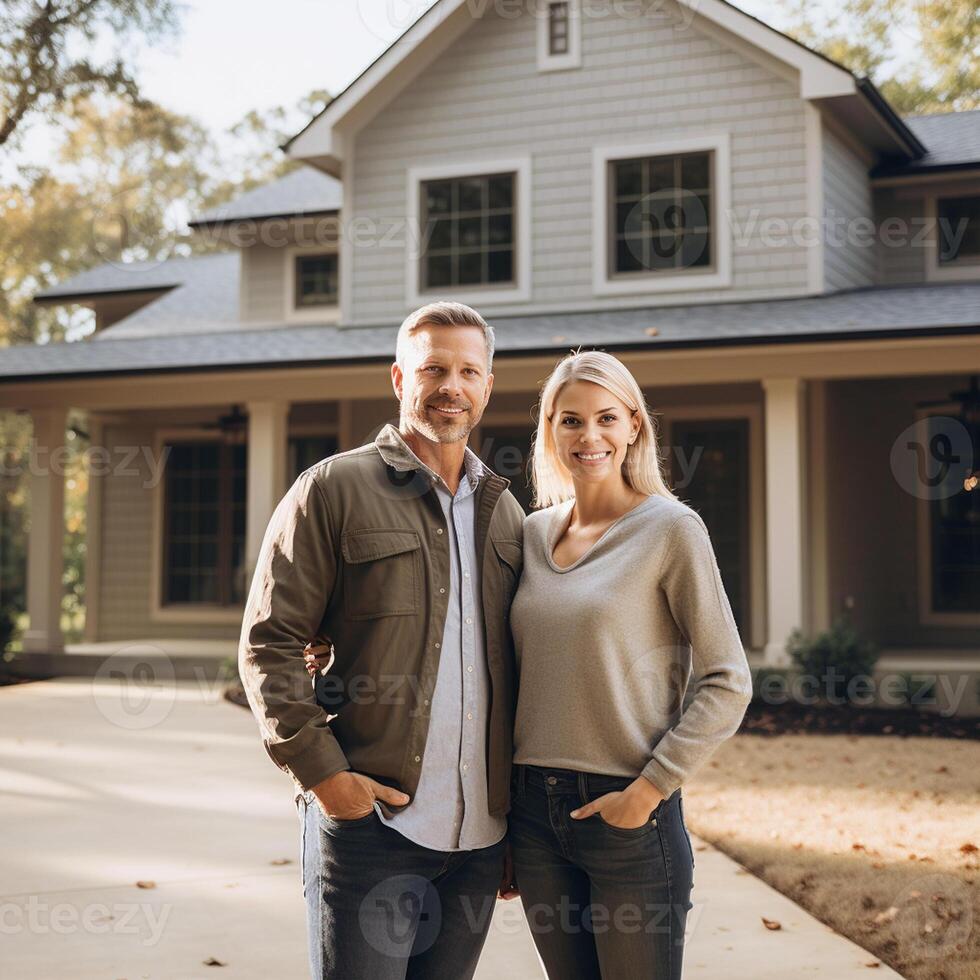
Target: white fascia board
x=819, y=78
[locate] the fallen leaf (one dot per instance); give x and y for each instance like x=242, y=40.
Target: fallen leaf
x=279, y=861
x=211, y=961
x=874, y=964
x=771, y=924
x=969, y=848
x=146, y=884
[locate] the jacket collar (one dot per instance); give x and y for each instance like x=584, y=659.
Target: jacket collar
x=397, y=454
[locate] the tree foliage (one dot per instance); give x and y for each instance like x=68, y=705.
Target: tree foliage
x=48, y=52
x=870, y=36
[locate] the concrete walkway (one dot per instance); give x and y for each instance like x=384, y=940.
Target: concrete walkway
x=109, y=783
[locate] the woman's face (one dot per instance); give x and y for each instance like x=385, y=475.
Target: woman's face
x=592, y=430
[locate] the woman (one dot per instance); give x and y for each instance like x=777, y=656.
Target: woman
x=619, y=598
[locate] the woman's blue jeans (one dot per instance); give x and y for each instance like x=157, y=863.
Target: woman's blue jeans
x=601, y=901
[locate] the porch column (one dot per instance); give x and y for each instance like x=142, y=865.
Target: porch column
x=266, y=480
x=45, y=558
x=785, y=488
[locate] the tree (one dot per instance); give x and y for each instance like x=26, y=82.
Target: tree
x=46, y=52
x=864, y=34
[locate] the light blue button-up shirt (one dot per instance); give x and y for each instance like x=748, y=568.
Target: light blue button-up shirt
x=450, y=810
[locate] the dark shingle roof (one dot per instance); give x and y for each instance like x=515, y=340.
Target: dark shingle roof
x=863, y=313
x=302, y=191
x=952, y=141
x=121, y=277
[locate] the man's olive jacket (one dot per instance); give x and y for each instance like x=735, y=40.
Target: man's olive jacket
x=358, y=550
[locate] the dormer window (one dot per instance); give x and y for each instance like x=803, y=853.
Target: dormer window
x=316, y=281
x=560, y=35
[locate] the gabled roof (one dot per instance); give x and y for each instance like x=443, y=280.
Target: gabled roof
x=881, y=312
x=304, y=190
x=323, y=140
x=952, y=139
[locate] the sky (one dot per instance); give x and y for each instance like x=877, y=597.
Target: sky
x=233, y=56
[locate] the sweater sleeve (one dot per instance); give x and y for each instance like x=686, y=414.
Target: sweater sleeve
x=691, y=580
x=294, y=576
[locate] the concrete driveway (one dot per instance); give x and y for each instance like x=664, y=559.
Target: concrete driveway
x=147, y=836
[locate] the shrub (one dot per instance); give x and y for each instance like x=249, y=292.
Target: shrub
x=834, y=657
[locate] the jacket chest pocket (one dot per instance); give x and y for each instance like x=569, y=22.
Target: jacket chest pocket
x=382, y=572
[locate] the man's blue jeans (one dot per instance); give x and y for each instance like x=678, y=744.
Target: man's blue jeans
x=380, y=907
x=601, y=901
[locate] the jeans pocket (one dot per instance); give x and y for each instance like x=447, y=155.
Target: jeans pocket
x=630, y=832
x=690, y=846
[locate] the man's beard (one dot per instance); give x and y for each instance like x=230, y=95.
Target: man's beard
x=435, y=429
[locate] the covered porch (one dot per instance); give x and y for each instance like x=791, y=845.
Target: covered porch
x=785, y=450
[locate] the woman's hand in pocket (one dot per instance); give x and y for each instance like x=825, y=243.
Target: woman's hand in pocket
x=628, y=810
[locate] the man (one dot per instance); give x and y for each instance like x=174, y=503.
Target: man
x=405, y=552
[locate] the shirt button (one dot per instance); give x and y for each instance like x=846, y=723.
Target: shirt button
x=470, y=668
x=469, y=714
x=438, y=530
x=442, y=592
x=426, y=703
x=418, y=758
x=468, y=620
x=466, y=574
x=438, y=645
x=551, y=780
x=465, y=767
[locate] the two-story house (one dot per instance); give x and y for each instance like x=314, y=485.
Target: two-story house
x=791, y=270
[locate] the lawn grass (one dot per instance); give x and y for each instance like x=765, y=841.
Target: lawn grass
x=875, y=835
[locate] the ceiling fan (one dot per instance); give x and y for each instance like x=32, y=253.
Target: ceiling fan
x=232, y=426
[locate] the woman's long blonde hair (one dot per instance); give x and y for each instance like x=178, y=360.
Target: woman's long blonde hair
x=642, y=465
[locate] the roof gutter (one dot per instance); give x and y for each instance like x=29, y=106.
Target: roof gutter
x=867, y=88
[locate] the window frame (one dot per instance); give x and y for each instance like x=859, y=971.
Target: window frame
x=328, y=313
x=181, y=612
x=718, y=275
x=959, y=270
x=572, y=58
x=928, y=614
x=520, y=290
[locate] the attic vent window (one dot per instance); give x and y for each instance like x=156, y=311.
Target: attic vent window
x=559, y=35
x=316, y=281
x=558, y=28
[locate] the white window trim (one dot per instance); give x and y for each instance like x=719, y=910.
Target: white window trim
x=188, y=612
x=962, y=270
x=927, y=615
x=487, y=295
x=571, y=58
x=314, y=314
x=718, y=278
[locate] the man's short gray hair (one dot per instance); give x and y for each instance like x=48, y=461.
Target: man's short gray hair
x=443, y=313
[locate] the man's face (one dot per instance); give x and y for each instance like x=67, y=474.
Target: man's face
x=444, y=385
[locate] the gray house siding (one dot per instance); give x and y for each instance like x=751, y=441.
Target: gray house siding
x=263, y=283
x=902, y=256
x=127, y=548
x=849, y=251
x=642, y=79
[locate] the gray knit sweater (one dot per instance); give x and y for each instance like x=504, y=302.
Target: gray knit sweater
x=606, y=648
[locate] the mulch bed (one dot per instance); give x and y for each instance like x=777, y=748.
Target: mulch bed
x=800, y=719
